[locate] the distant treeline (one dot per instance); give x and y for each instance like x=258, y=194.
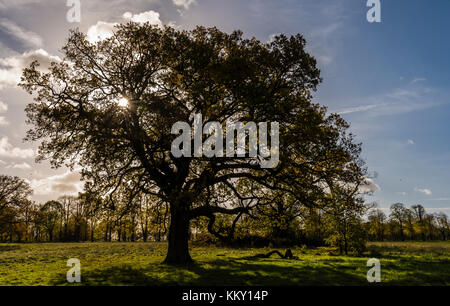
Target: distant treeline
x=405, y=223
x=82, y=218
x=73, y=219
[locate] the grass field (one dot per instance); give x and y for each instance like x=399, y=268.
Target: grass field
x=408, y=263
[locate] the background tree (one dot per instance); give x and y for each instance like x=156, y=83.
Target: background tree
x=409, y=223
x=443, y=225
x=14, y=192
x=279, y=216
x=377, y=227
x=51, y=213
x=419, y=215
x=312, y=226
x=398, y=214
x=344, y=209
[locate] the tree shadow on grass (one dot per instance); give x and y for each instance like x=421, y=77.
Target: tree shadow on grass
x=419, y=271
x=220, y=273
x=6, y=248
x=388, y=250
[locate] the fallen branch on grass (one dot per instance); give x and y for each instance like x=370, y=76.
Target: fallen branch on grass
x=287, y=255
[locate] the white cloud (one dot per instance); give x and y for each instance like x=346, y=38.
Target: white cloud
x=22, y=166
x=25, y=37
x=3, y=109
x=8, y=150
x=184, y=3
x=325, y=31
x=272, y=37
x=150, y=16
x=398, y=101
x=357, y=109
x=103, y=30
x=67, y=183
x=402, y=193
x=424, y=191
x=322, y=40
x=324, y=59
x=410, y=141
x=11, y=67
x=3, y=121
x=7, y=4
x=416, y=80
x=368, y=186
x=401, y=93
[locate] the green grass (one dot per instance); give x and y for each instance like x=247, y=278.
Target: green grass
x=409, y=263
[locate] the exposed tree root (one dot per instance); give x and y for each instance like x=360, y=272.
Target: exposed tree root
x=287, y=255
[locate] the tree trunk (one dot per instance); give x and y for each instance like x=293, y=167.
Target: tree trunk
x=401, y=232
x=345, y=244
x=106, y=233
x=145, y=235
x=178, y=250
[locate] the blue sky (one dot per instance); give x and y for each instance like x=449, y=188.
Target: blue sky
x=390, y=80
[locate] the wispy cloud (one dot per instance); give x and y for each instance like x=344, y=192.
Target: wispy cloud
x=66, y=183
x=357, y=109
x=416, y=80
x=322, y=44
x=3, y=109
x=3, y=121
x=22, y=166
x=398, y=101
x=424, y=191
x=184, y=3
x=11, y=67
x=9, y=151
x=369, y=186
x=103, y=30
x=6, y=4
x=325, y=31
x=100, y=31
x=25, y=38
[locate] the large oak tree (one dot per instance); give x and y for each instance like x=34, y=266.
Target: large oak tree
x=168, y=75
